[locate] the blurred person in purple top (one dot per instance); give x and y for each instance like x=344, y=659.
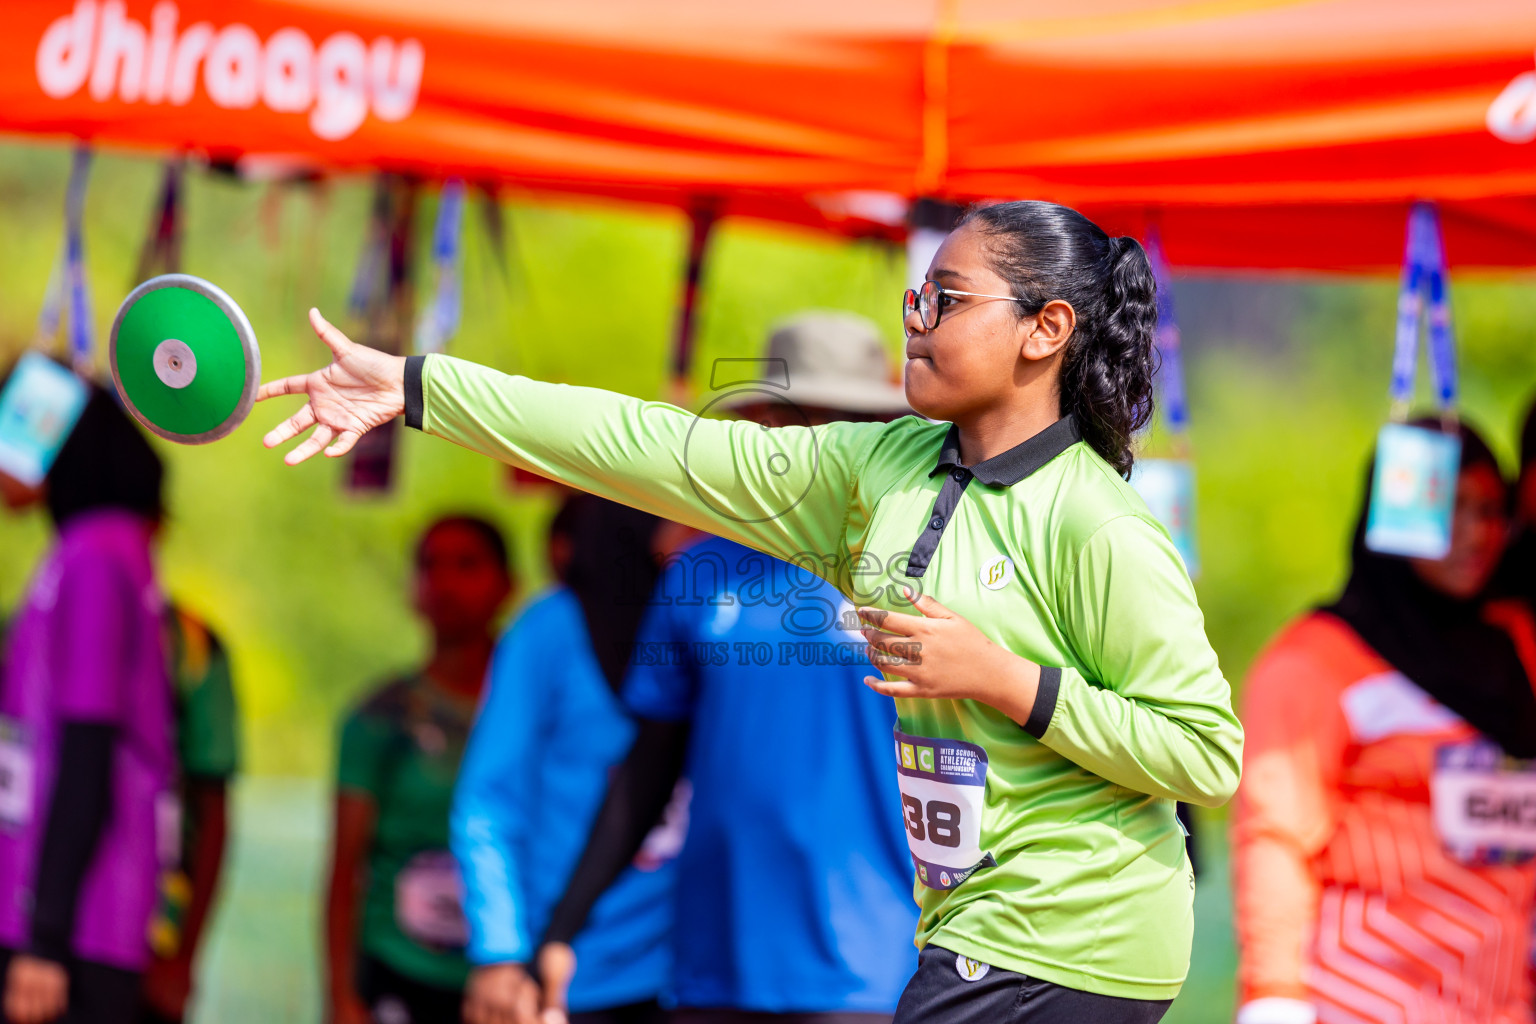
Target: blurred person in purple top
x=87, y=807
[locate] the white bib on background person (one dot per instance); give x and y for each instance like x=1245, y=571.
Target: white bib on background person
x=1484, y=803
x=429, y=901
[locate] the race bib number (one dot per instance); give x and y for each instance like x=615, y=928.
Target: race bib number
x=429, y=901
x=1484, y=803
x=16, y=775
x=943, y=787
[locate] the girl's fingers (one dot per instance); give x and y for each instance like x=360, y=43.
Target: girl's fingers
x=893, y=649
x=297, y=385
x=890, y=622
x=292, y=427
x=896, y=659
x=343, y=443
x=334, y=340
x=930, y=608
x=892, y=687
x=311, y=446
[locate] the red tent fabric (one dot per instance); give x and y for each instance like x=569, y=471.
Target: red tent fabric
x=1260, y=133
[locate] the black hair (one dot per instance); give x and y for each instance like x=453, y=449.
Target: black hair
x=489, y=533
x=612, y=571
x=1528, y=437
x=107, y=462
x=1045, y=252
x=564, y=522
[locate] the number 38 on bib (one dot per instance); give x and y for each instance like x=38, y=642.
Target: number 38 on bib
x=943, y=788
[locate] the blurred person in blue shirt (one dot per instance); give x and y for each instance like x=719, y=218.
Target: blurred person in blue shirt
x=549, y=733
x=795, y=882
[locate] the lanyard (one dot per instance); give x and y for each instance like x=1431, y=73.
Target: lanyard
x=162, y=246
x=366, y=280
x=1170, y=373
x=701, y=221
x=82, y=334
x=440, y=319
x=68, y=277
x=1423, y=285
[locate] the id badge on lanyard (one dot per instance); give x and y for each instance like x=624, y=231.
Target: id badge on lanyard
x=1168, y=488
x=943, y=787
x=1413, y=492
x=1484, y=803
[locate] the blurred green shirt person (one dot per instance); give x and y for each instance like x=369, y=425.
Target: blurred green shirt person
x=401, y=750
x=395, y=928
x=208, y=756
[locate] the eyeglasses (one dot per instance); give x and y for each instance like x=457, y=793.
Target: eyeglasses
x=929, y=302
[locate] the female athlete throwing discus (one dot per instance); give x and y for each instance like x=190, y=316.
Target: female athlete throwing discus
x=1055, y=688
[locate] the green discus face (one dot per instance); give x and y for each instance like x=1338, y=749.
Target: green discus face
x=184, y=358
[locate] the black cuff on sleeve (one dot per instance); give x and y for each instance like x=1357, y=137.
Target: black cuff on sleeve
x=77, y=814
x=1045, y=702
x=415, y=404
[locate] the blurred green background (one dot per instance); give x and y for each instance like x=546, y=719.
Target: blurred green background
x=1287, y=385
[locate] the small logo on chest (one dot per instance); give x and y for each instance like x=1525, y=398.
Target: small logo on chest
x=997, y=573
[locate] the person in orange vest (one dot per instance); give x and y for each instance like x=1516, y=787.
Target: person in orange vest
x=1378, y=878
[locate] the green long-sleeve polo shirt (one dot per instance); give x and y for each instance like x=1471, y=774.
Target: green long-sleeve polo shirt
x=1051, y=848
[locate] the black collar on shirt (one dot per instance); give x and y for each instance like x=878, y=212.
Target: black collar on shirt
x=1003, y=470
x=1016, y=463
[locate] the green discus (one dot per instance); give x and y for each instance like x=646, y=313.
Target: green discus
x=184, y=358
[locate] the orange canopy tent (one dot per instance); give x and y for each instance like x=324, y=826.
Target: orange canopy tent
x=1259, y=133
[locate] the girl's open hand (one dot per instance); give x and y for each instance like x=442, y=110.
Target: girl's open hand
x=361, y=389
x=938, y=654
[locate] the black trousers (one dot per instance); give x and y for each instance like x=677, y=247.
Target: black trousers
x=98, y=994
x=634, y=1013
x=393, y=998
x=692, y=1015
x=948, y=989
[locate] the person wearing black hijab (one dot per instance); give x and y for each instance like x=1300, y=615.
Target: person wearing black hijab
x=1517, y=574
x=550, y=732
x=1375, y=880
x=1428, y=619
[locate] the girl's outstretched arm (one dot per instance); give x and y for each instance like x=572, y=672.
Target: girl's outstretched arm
x=785, y=491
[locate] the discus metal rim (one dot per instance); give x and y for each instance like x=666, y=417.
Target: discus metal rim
x=243, y=331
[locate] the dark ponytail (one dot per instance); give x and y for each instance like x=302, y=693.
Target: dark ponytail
x=1045, y=251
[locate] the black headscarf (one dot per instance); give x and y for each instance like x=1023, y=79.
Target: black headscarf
x=1440, y=642
x=611, y=572
x=1517, y=573
x=106, y=463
